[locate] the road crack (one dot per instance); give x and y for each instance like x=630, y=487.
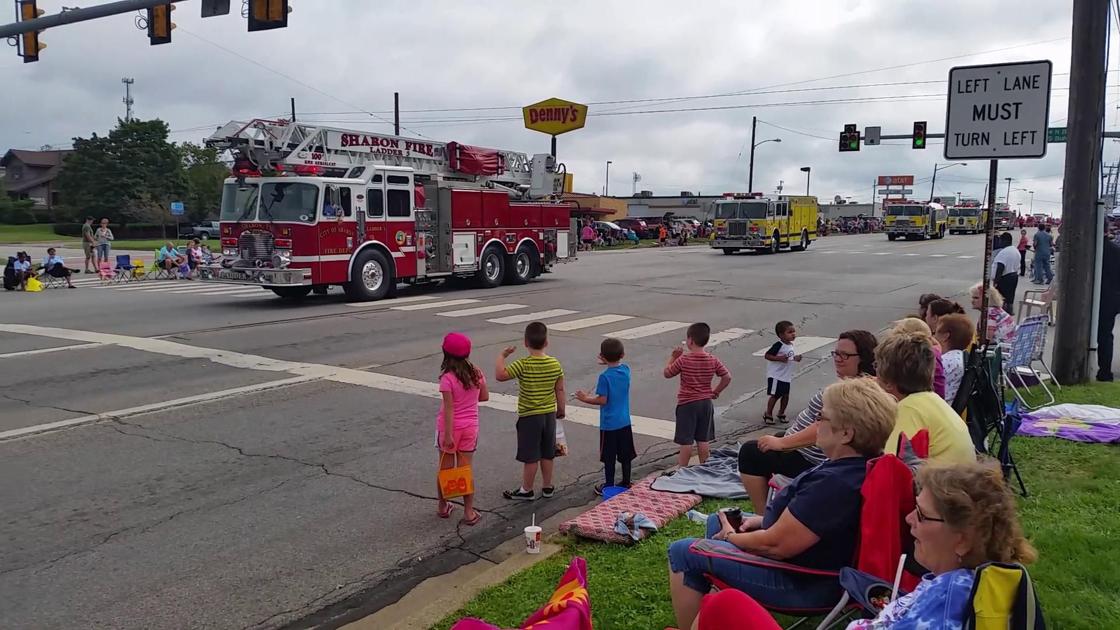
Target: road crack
x=35, y=403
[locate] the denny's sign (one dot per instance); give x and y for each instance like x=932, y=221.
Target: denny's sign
x=554, y=116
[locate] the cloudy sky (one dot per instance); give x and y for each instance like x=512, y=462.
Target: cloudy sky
x=805, y=68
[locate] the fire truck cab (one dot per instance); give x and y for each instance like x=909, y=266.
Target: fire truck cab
x=309, y=207
x=751, y=221
x=914, y=219
x=967, y=217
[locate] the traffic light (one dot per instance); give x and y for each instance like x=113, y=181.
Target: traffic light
x=29, y=42
x=160, y=24
x=268, y=14
x=919, y=137
x=849, y=138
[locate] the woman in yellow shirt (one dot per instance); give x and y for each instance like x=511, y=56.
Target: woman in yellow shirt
x=905, y=365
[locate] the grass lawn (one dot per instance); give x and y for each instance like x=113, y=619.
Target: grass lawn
x=1071, y=516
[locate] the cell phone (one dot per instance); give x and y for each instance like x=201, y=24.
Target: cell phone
x=734, y=517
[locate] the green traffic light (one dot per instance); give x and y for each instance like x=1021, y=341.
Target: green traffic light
x=919, y=142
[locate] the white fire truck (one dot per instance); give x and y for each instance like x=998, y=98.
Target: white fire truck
x=308, y=207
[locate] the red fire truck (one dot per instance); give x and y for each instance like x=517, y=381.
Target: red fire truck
x=308, y=207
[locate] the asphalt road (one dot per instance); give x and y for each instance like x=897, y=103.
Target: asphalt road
x=176, y=455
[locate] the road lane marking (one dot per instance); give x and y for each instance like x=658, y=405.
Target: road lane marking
x=481, y=310
x=725, y=336
x=938, y=255
x=448, y=303
x=262, y=292
x=648, y=330
x=391, y=303
x=160, y=406
x=803, y=345
x=911, y=254
x=654, y=427
x=883, y=253
x=588, y=322
x=966, y=257
x=532, y=317
x=26, y=353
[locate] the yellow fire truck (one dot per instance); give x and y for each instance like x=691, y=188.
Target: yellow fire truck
x=751, y=221
x=914, y=219
x=967, y=217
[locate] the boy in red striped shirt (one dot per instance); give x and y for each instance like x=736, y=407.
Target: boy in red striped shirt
x=695, y=412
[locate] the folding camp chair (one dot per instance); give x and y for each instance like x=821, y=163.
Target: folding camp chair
x=1028, y=348
x=123, y=272
x=104, y=271
x=138, y=270
x=49, y=281
x=157, y=272
x=980, y=401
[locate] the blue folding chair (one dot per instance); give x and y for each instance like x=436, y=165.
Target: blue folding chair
x=1018, y=368
x=123, y=272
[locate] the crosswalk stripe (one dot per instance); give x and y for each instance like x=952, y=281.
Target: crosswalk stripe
x=911, y=254
x=390, y=303
x=532, y=317
x=196, y=289
x=154, y=289
x=588, y=322
x=938, y=255
x=494, y=308
x=883, y=253
x=648, y=330
x=724, y=336
x=241, y=293
x=427, y=305
x=966, y=257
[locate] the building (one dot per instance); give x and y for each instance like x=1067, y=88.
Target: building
x=837, y=210
x=687, y=204
x=32, y=174
x=597, y=206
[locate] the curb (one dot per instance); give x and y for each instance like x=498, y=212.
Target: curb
x=436, y=597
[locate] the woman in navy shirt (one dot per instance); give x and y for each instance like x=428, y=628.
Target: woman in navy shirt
x=813, y=522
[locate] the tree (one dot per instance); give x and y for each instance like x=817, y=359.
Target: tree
x=205, y=175
x=15, y=211
x=133, y=174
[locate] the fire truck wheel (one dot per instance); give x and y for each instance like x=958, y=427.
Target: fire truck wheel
x=291, y=293
x=891, y=237
x=775, y=243
x=492, y=268
x=372, y=277
x=521, y=266
x=804, y=245
x=727, y=251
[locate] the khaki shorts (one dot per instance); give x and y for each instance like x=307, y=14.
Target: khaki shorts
x=87, y=248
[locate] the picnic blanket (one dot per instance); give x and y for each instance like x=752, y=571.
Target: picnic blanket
x=1079, y=423
x=718, y=477
x=598, y=523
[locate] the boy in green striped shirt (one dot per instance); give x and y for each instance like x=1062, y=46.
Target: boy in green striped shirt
x=540, y=401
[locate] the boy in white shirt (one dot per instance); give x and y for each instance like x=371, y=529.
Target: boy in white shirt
x=779, y=370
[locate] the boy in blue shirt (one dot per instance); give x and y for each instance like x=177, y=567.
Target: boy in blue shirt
x=612, y=395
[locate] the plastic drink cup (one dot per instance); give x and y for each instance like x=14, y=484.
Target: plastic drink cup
x=533, y=539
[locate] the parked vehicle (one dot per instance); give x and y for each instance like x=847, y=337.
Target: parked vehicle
x=640, y=227
x=203, y=230
x=611, y=233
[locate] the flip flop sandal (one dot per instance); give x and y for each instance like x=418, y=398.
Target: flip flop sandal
x=471, y=522
x=445, y=510
x=766, y=419
x=783, y=420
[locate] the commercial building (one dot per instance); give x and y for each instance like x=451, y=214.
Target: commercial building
x=686, y=204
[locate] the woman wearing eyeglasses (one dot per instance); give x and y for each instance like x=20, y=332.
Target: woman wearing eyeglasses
x=795, y=451
x=965, y=517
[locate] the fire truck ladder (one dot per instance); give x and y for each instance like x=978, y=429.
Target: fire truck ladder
x=267, y=143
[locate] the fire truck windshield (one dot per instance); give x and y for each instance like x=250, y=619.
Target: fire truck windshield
x=239, y=203
x=899, y=210
x=753, y=210
x=726, y=210
x=289, y=201
x=964, y=212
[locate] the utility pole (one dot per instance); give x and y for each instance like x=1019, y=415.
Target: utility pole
x=750, y=175
x=607, y=181
x=396, y=113
x=127, y=81
x=293, y=109
x=1080, y=229
x=1007, y=199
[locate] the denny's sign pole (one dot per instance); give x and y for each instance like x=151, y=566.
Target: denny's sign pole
x=554, y=116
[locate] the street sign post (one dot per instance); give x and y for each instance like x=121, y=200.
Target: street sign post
x=998, y=111
x=177, y=208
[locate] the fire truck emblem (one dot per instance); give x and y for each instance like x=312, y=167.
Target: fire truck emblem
x=400, y=237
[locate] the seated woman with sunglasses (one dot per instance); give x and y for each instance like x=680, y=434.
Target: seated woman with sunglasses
x=795, y=451
x=965, y=517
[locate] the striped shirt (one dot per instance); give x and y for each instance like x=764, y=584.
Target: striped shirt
x=810, y=414
x=536, y=383
x=697, y=369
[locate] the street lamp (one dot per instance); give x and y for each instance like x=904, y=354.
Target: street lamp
x=750, y=175
x=607, y=181
x=933, y=184
x=806, y=170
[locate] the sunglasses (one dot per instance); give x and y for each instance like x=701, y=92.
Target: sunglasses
x=922, y=518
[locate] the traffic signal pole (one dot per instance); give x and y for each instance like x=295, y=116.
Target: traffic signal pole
x=73, y=16
x=1080, y=230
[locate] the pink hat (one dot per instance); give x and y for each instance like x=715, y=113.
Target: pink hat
x=457, y=345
